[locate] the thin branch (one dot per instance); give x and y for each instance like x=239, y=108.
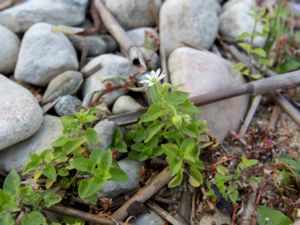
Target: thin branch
x=133, y=52
x=144, y=194
x=258, y=87
x=91, y=218
x=254, y=105
x=96, y=21
x=164, y=214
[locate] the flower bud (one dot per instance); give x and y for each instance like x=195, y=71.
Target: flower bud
x=187, y=118
x=177, y=121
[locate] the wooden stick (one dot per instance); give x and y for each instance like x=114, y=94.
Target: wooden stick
x=102, y=220
x=185, y=204
x=133, y=52
x=274, y=118
x=96, y=21
x=164, y=214
x=278, y=98
x=249, y=208
x=286, y=106
x=254, y=105
x=144, y=194
x=258, y=87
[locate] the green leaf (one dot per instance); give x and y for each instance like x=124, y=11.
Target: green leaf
x=238, y=67
x=175, y=167
x=268, y=216
x=50, y=172
x=177, y=97
x=259, y=51
x=89, y=187
x=244, y=36
x=288, y=66
x=152, y=130
x=104, y=162
x=63, y=172
x=51, y=200
x=6, y=219
x=34, y=218
x=91, y=135
x=118, y=175
x=171, y=150
x=82, y=164
x=247, y=163
x=234, y=196
x=245, y=46
x=7, y=202
x=177, y=180
x=47, y=155
x=153, y=113
x=34, y=162
x=222, y=170
x=196, y=178
x=12, y=183
x=73, y=144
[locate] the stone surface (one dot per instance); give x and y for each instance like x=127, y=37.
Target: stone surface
x=149, y=218
x=67, y=83
x=133, y=170
x=138, y=36
x=188, y=23
x=57, y=12
x=16, y=156
x=20, y=113
x=112, y=66
x=96, y=44
x=126, y=104
x=203, y=72
x=67, y=105
x=236, y=20
x=9, y=49
x=105, y=130
x=217, y=218
x=133, y=13
x=230, y=3
x=44, y=55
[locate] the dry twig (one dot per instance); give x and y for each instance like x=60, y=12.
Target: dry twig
x=133, y=52
x=144, y=194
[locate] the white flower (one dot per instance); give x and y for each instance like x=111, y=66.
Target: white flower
x=153, y=77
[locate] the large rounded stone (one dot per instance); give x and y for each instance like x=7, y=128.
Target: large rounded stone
x=16, y=156
x=67, y=83
x=133, y=13
x=202, y=73
x=44, y=55
x=9, y=49
x=112, y=66
x=235, y=20
x=188, y=23
x=57, y=12
x=20, y=113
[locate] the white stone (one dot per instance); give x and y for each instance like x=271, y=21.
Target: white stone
x=105, y=130
x=126, y=104
x=229, y=4
x=9, y=49
x=149, y=218
x=236, y=20
x=133, y=13
x=44, y=55
x=203, y=72
x=20, y=114
x=137, y=36
x=57, y=12
x=217, y=218
x=16, y=156
x=133, y=170
x=111, y=66
x=188, y=23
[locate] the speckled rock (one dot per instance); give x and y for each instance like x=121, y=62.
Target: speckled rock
x=112, y=66
x=57, y=12
x=126, y=104
x=203, y=72
x=132, y=13
x=67, y=105
x=44, y=55
x=9, y=49
x=67, y=83
x=236, y=20
x=105, y=130
x=188, y=23
x=133, y=170
x=16, y=156
x=96, y=44
x=230, y=3
x=20, y=113
x=149, y=218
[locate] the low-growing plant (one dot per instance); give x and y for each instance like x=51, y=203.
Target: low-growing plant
x=170, y=128
x=229, y=182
